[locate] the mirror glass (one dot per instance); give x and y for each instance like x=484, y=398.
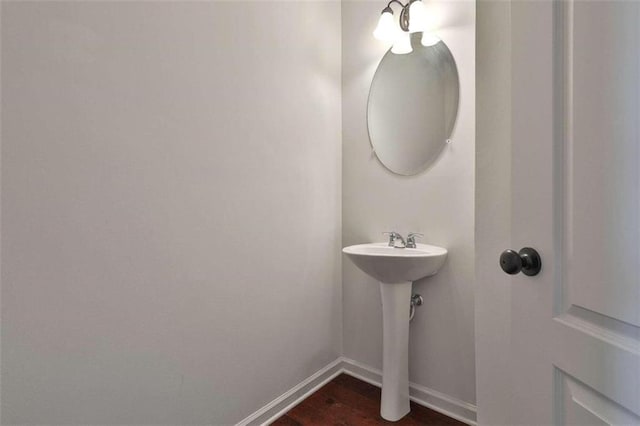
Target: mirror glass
x=413, y=104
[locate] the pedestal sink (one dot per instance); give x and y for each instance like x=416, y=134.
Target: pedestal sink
x=396, y=269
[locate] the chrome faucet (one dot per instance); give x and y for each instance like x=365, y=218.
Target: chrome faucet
x=409, y=243
x=411, y=239
x=393, y=236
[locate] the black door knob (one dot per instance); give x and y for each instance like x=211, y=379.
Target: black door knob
x=526, y=260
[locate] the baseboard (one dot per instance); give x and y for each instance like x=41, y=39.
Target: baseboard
x=437, y=401
x=293, y=396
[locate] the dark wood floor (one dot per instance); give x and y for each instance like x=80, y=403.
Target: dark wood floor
x=347, y=401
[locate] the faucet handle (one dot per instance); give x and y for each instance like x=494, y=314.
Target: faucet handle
x=393, y=236
x=411, y=239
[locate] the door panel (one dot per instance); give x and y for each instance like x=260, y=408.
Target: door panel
x=581, y=405
x=602, y=168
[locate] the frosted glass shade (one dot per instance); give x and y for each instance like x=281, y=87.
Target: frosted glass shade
x=430, y=39
x=417, y=17
x=402, y=44
x=386, y=29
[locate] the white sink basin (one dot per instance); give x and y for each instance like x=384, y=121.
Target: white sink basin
x=392, y=265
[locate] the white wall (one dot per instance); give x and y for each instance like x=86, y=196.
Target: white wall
x=438, y=203
x=171, y=189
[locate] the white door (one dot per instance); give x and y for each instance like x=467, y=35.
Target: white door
x=559, y=171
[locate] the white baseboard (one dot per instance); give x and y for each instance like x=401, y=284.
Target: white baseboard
x=437, y=401
x=294, y=396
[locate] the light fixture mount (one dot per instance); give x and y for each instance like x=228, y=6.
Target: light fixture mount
x=414, y=18
x=404, y=13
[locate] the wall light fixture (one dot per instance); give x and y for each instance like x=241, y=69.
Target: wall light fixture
x=413, y=19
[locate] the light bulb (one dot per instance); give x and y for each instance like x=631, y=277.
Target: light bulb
x=402, y=44
x=386, y=29
x=429, y=39
x=417, y=17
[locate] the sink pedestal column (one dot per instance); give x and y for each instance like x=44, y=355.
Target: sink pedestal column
x=396, y=299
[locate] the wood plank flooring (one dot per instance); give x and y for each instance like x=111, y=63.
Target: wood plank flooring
x=347, y=401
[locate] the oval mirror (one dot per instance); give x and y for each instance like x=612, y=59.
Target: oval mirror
x=413, y=104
